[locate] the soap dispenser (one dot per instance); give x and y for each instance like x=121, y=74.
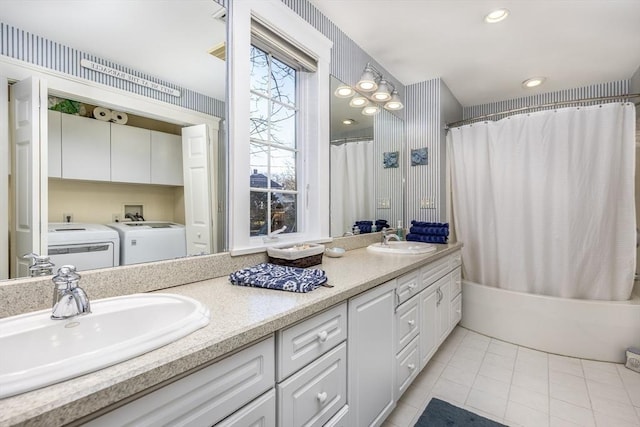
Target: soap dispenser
x=400, y=230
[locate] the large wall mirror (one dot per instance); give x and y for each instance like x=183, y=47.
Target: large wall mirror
x=367, y=161
x=181, y=43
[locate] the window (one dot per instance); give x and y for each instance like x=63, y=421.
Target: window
x=273, y=149
x=278, y=112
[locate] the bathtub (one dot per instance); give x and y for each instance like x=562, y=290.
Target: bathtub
x=597, y=330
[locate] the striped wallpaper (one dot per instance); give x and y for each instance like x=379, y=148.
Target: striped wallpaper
x=620, y=87
x=388, y=136
x=24, y=46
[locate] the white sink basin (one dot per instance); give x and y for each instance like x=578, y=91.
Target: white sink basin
x=37, y=351
x=402, y=248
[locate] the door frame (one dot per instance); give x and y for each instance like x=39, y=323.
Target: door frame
x=67, y=86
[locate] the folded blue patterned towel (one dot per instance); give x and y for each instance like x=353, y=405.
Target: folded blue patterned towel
x=272, y=276
x=429, y=224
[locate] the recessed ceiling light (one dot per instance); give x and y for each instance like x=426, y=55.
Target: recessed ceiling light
x=496, y=16
x=533, y=82
x=349, y=122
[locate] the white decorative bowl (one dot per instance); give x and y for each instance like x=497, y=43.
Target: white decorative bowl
x=334, y=252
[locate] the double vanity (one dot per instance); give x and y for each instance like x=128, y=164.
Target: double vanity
x=337, y=356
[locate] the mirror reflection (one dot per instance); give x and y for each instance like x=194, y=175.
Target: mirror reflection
x=366, y=167
x=131, y=178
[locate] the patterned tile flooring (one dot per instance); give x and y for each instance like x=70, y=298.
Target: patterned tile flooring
x=518, y=386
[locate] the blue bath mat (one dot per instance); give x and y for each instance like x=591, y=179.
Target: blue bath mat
x=439, y=413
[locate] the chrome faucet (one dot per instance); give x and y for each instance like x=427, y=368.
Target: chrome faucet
x=41, y=265
x=69, y=299
x=387, y=235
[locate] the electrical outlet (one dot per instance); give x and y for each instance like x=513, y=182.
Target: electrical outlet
x=67, y=217
x=115, y=217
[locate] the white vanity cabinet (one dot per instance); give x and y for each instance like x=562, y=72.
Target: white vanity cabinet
x=209, y=395
x=130, y=154
x=371, y=355
x=54, y=143
x=166, y=159
x=312, y=369
x=86, y=148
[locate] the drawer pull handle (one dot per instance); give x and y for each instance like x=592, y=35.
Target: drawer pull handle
x=411, y=366
x=322, y=397
x=322, y=336
x=412, y=286
x=411, y=322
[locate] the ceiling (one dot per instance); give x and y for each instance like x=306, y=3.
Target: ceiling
x=168, y=39
x=571, y=42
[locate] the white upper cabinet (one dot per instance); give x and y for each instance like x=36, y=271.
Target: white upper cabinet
x=86, y=148
x=166, y=159
x=54, y=143
x=130, y=154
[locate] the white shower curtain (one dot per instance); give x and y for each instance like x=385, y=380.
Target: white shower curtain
x=352, y=193
x=544, y=202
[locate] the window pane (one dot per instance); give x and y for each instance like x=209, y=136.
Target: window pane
x=259, y=71
x=283, y=125
x=283, y=82
x=284, y=212
x=283, y=168
x=259, y=118
x=259, y=162
x=258, y=213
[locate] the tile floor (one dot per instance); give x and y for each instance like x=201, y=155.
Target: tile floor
x=518, y=386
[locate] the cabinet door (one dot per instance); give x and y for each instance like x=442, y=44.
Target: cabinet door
x=444, y=307
x=428, y=323
x=130, y=154
x=371, y=359
x=86, y=148
x=166, y=158
x=259, y=413
x=54, y=143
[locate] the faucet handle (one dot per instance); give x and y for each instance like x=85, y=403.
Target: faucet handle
x=66, y=277
x=41, y=265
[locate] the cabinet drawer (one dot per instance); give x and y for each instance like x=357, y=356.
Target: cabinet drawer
x=455, y=259
x=259, y=413
x=406, y=323
x=407, y=286
x=456, y=311
x=316, y=393
x=456, y=282
x=407, y=367
x=341, y=419
x=204, y=397
x=306, y=341
x=432, y=272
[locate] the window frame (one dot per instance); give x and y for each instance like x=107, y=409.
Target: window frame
x=312, y=132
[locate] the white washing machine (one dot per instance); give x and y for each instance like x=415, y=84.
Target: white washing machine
x=145, y=241
x=87, y=246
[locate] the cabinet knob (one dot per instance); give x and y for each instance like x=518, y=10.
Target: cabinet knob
x=322, y=336
x=411, y=322
x=322, y=397
x=411, y=366
x=412, y=286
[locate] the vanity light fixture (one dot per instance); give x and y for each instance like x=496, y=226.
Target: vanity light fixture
x=394, y=103
x=344, y=91
x=533, y=82
x=382, y=94
x=370, y=110
x=367, y=82
x=496, y=16
x=358, y=101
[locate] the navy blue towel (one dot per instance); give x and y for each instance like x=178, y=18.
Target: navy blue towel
x=364, y=223
x=430, y=231
x=429, y=224
x=412, y=237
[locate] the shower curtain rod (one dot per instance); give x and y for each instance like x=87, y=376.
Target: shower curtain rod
x=531, y=107
x=341, y=141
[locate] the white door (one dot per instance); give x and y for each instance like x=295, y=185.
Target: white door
x=5, y=167
x=28, y=124
x=197, y=194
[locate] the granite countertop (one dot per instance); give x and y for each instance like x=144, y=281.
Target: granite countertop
x=239, y=316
